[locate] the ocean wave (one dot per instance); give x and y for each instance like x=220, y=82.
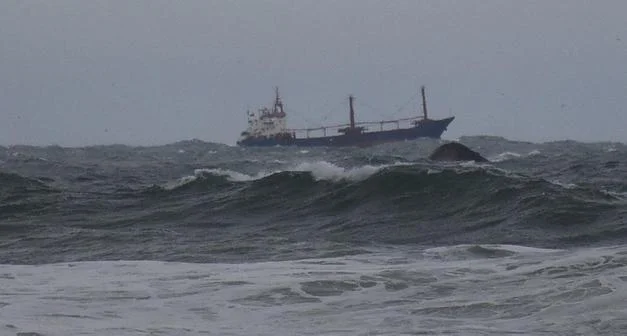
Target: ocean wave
x=504, y=156
x=483, y=251
x=517, y=289
x=409, y=203
x=319, y=170
x=274, y=203
x=15, y=183
x=395, y=177
x=23, y=197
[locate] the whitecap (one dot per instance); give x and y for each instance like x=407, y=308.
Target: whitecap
x=505, y=156
x=564, y=185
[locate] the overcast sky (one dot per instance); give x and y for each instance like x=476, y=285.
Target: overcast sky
x=152, y=72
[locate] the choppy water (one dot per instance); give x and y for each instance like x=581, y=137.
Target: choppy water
x=197, y=238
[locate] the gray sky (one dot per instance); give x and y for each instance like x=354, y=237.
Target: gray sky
x=152, y=72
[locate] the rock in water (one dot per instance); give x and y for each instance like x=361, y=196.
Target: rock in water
x=455, y=151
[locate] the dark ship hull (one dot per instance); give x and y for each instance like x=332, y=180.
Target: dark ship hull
x=425, y=129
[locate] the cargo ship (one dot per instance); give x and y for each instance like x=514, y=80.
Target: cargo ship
x=268, y=127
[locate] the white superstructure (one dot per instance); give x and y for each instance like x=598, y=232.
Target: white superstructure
x=267, y=122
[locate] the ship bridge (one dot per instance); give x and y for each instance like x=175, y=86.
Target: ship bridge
x=267, y=122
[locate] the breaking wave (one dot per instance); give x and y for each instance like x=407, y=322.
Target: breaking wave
x=414, y=203
x=203, y=203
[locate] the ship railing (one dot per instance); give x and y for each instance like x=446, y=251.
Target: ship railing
x=398, y=122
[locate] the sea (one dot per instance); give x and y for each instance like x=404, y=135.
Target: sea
x=199, y=238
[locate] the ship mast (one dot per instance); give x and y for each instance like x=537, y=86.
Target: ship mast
x=352, y=112
x=277, y=100
x=424, y=102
